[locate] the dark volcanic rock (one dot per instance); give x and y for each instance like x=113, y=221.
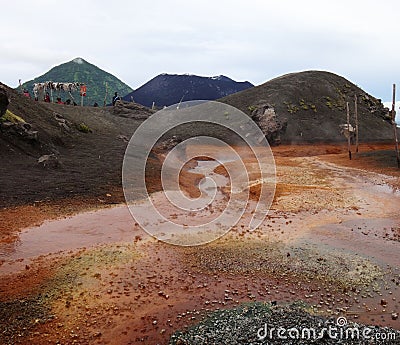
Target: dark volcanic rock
x=271, y=125
x=49, y=161
x=3, y=100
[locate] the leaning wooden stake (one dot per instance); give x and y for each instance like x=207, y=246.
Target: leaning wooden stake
x=348, y=130
x=356, y=119
x=105, y=97
x=396, y=141
x=72, y=97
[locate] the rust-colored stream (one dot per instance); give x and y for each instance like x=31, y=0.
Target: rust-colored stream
x=145, y=298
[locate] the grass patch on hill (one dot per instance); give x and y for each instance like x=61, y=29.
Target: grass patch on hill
x=9, y=116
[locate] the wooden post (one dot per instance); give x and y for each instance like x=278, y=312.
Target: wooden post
x=348, y=130
x=396, y=140
x=72, y=97
x=105, y=97
x=356, y=119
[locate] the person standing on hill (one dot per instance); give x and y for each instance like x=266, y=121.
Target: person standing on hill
x=115, y=98
x=26, y=93
x=47, y=97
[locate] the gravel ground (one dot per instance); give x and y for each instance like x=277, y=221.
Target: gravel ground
x=22, y=318
x=328, y=267
x=22, y=315
x=260, y=323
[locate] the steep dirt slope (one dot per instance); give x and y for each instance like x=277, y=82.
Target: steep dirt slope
x=82, y=150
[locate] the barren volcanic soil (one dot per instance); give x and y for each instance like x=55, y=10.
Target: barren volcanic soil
x=330, y=239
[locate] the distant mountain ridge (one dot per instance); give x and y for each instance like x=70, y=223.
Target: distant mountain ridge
x=167, y=89
x=79, y=70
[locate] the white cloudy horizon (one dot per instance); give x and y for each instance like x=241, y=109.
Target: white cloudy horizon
x=254, y=40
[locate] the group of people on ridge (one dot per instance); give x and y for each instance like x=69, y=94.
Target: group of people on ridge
x=68, y=101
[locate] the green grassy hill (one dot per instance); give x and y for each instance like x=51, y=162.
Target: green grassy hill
x=79, y=70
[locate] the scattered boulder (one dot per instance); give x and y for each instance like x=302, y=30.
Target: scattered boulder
x=22, y=129
x=62, y=122
x=375, y=106
x=348, y=131
x=49, y=161
x=271, y=125
x=12, y=123
x=27, y=132
x=167, y=144
x=122, y=137
x=3, y=100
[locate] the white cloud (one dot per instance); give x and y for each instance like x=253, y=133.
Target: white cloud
x=252, y=40
x=389, y=105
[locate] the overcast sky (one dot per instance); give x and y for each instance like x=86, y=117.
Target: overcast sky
x=245, y=40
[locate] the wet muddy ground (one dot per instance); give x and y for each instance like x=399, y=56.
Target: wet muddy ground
x=330, y=239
